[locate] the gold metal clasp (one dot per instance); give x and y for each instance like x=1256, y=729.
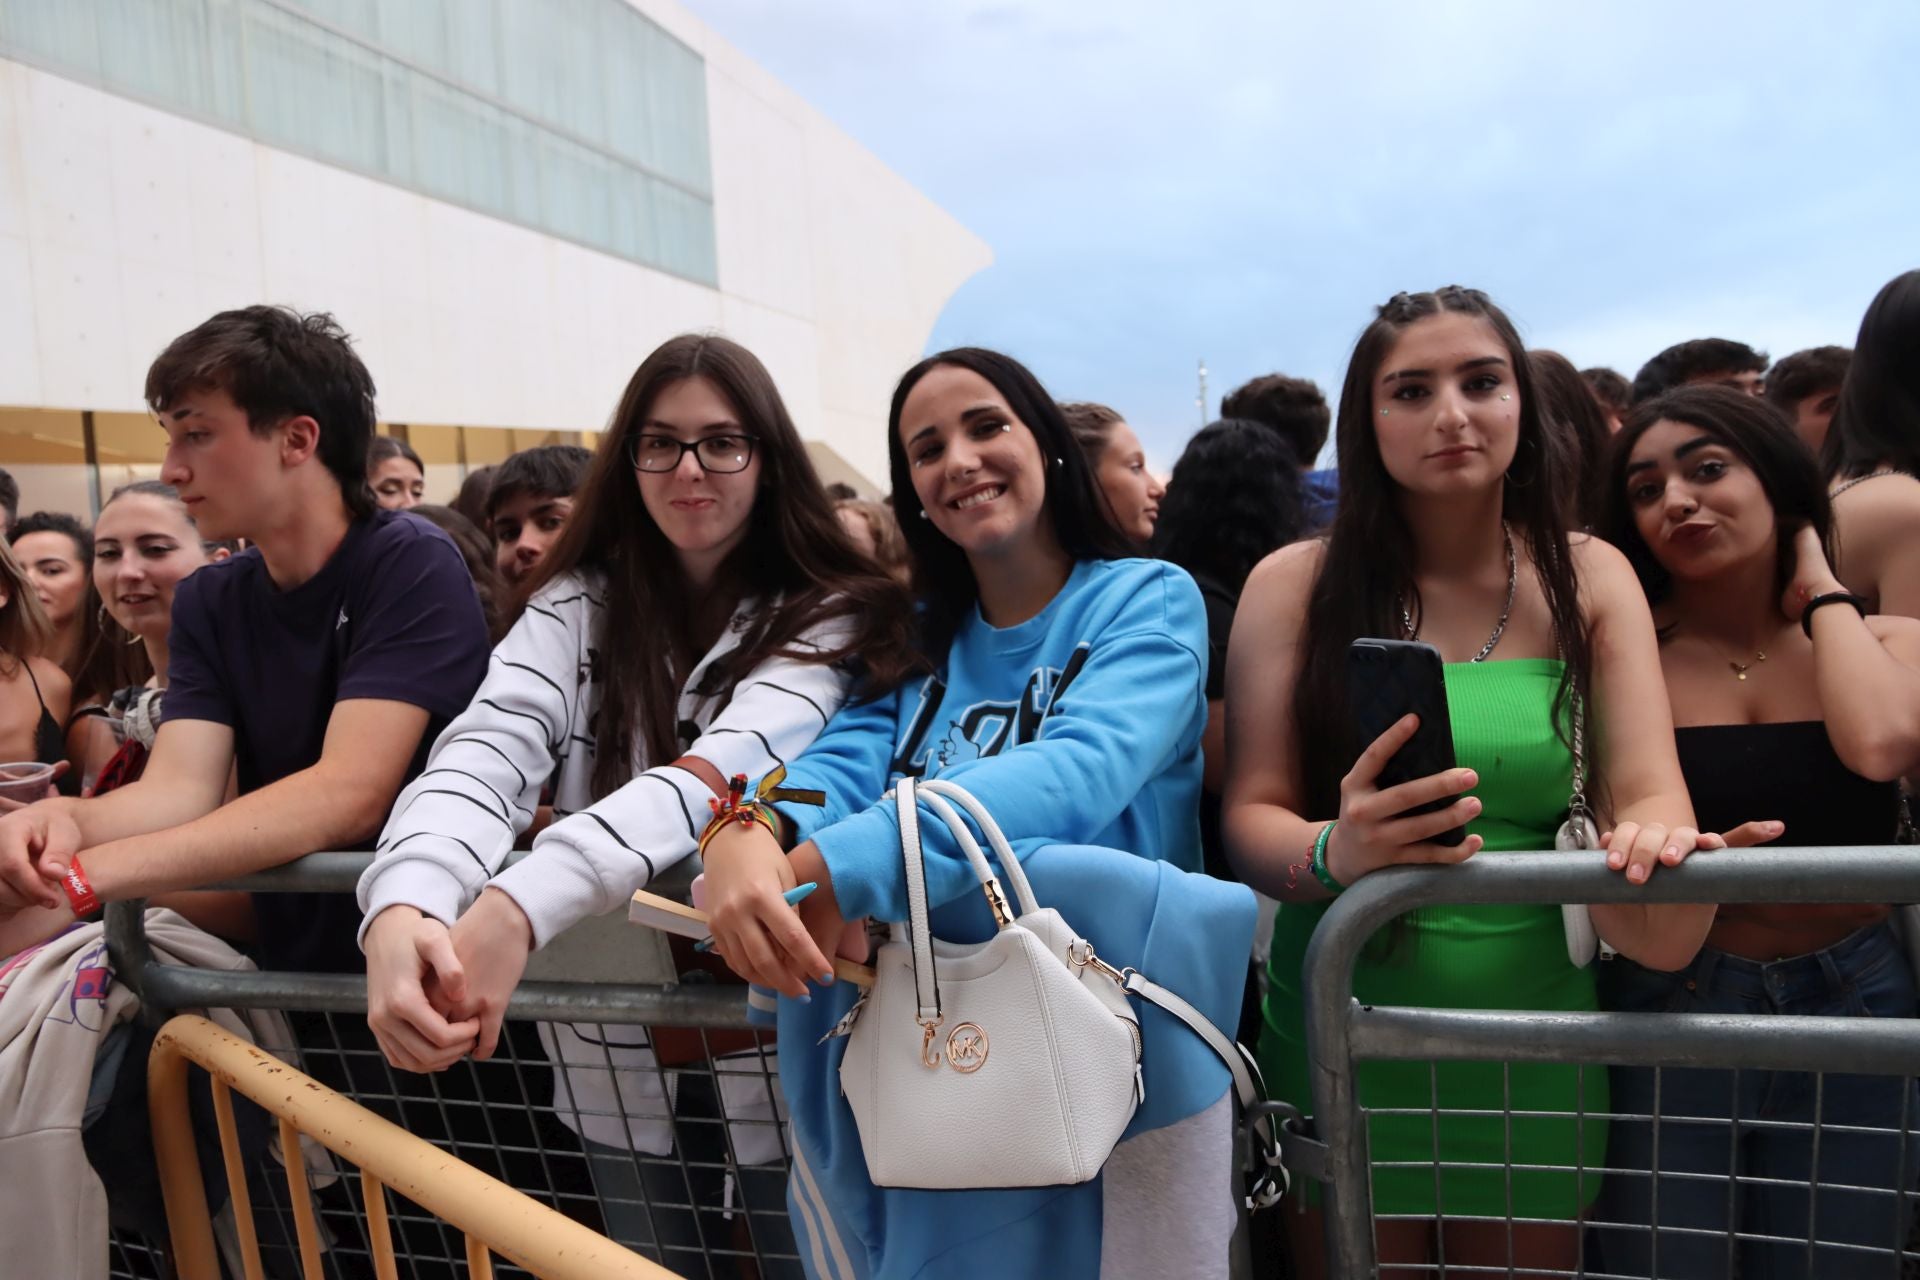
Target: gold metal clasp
x=929, y=1056
x=997, y=899
x=1086, y=959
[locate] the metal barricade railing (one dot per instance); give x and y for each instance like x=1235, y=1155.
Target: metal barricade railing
x=710, y=1204
x=1341, y=1034
x=491, y=1217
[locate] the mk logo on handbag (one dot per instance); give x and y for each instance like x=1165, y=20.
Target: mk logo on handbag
x=967, y=1048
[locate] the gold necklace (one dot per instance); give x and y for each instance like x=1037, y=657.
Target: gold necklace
x=1739, y=669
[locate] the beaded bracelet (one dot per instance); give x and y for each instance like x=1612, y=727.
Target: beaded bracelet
x=1320, y=872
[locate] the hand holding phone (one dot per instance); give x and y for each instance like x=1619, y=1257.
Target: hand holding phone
x=1402, y=801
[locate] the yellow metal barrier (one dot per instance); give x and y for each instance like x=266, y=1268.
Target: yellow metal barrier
x=493, y=1216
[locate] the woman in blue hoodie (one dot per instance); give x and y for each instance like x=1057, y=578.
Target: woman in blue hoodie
x=1065, y=692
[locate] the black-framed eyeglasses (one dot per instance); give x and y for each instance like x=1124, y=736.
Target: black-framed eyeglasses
x=721, y=455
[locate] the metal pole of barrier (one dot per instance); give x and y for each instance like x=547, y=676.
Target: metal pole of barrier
x=1761, y=1042
x=689, y=1006
x=1338, y=1030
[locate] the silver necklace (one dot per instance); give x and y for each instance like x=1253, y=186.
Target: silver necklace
x=1845, y=485
x=1500, y=627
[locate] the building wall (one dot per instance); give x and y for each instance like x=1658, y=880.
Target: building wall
x=122, y=225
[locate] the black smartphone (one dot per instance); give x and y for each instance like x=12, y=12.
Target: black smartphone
x=1387, y=679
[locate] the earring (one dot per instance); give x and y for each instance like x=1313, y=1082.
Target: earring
x=1383, y=413
x=1505, y=396
x=924, y=515
x=1059, y=462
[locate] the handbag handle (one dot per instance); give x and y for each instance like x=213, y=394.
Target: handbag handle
x=906, y=797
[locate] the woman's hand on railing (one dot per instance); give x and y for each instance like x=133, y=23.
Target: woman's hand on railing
x=1636, y=848
x=491, y=943
x=414, y=982
x=1372, y=833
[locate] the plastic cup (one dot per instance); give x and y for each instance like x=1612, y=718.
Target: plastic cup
x=25, y=781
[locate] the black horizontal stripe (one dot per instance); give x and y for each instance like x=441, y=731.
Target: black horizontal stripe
x=481, y=862
x=817, y=708
x=545, y=679
x=505, y=804
x=651, y=870
x=468, y=737
x=578, y=595
x=692, y=830
x=461, y=795
x=509, y=711
x=767, y=746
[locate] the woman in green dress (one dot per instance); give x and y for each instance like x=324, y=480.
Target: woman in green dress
x=1453, y=529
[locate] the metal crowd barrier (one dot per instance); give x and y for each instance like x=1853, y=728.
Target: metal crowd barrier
x=1341, y=1033
x=700, y=1209
x=491, y=1217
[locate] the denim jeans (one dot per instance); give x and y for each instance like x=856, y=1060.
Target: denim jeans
x=1722, y=1167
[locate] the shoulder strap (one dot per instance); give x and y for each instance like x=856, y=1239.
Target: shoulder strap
x=926, y=981
x=1247, y=1084
x=26, y=665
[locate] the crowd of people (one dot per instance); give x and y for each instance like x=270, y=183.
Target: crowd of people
x=1686, y=602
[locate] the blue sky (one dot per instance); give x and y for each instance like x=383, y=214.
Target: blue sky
x=1244, y=183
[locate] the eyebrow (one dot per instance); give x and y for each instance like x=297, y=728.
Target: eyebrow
x=966, y=416
x=670, y=429
x=1692, y=446
x=1479, y=363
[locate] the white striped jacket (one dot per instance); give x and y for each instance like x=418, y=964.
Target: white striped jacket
x=453, y=825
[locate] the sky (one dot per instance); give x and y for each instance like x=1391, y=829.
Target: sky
x=1244, y=183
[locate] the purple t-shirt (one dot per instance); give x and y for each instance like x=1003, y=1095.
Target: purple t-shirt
x=393, y=615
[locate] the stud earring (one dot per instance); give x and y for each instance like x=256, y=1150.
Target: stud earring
x=924, y=515
x=1383, y=413
x=1059, y=462
x=1505, y=396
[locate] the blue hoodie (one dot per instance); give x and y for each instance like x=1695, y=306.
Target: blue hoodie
x=1078, y=727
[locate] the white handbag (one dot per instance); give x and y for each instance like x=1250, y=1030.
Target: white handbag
x=1009, y=1063
x=1578, y=832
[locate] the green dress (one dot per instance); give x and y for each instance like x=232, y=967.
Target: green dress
x=1480, y=957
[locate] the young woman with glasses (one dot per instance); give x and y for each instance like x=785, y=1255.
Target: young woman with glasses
x=699, y=618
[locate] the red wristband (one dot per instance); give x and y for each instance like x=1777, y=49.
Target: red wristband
x=80, y=895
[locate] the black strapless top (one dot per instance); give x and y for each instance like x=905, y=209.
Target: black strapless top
x=1787, y=772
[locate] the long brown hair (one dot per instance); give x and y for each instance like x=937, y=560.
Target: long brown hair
x=796, y=558
x=24, y=630
x=1368, y=566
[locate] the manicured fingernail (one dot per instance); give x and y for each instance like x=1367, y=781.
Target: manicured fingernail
x=826, y=979
x=804, y=998
x=705, y=944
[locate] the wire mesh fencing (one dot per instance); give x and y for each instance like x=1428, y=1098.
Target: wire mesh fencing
x=650, y=1114
x=1731, y=1120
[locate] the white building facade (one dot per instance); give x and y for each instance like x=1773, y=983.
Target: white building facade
x=508, y=203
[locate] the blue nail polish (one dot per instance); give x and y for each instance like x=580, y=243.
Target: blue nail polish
x=804, y=998
x=705, y=944
x=826, y=979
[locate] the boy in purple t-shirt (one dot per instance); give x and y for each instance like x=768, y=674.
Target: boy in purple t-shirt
x=319, y=665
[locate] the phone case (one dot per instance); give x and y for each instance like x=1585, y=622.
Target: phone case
x=1386, y=679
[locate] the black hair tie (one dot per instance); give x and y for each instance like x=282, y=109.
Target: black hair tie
x=1826, y=598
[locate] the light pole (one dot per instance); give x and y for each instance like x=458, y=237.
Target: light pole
x=1201, y=399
